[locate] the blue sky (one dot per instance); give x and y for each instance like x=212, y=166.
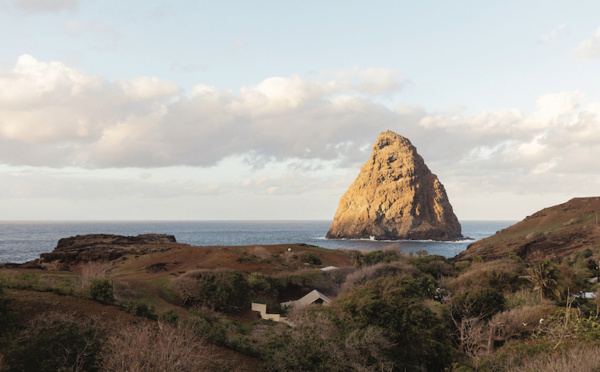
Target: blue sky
x=267, y=109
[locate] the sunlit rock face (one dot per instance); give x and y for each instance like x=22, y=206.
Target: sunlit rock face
x=395, y=196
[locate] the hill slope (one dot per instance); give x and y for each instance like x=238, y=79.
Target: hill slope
x=551, y=233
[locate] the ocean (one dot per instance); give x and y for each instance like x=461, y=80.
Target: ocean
x=24, y=241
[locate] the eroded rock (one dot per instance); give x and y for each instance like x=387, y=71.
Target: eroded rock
x=395, y=196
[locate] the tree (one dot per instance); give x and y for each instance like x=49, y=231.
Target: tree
x=397, y=305
x=225, y=290
x=56, y=342
x=544, y=277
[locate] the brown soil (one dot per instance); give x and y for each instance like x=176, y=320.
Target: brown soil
x=552, y=233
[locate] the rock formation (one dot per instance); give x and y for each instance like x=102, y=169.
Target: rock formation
x=552, y=233
x=103, y=247
x=395, y=196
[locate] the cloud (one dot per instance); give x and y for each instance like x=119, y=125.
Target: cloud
x=60, y=116
x=546, y=38
x=56, y=116
x=589, y=49
x=45, y=6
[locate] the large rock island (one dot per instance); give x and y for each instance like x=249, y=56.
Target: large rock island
x=395, y=196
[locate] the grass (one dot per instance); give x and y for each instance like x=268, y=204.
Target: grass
x=163, y=284
x=521, y=234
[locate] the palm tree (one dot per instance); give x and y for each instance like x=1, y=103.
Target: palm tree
x=544, y=277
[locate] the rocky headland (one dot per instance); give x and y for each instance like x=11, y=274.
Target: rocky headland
x=395, y=196
x=552, y=233
x=72, y=251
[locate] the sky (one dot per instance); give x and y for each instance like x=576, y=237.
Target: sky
x=266, y=110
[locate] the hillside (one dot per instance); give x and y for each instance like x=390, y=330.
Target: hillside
x=551, y=233
x=139, y=272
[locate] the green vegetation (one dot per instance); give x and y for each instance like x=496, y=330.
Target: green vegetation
x=102, y=290
x=544, y=277
x=55, y=342
x=141, y=309
x=390, y=312
x=223, y=290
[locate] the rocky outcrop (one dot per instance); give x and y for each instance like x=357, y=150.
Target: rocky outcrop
x=552, y=233
x=103, y=247
x=395, y=196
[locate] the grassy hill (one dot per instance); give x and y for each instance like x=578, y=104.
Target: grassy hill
x=552, y=233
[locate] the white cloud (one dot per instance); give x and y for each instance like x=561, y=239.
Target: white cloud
x=45, y=6
x=55, y=116
x=589, y=49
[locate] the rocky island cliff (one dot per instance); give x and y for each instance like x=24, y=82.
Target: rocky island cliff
x=395, y=196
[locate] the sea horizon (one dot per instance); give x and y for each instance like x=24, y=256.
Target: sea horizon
x=22, y=241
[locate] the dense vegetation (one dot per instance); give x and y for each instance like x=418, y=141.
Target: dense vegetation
x=391, y=312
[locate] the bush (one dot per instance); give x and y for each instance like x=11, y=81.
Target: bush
x=7, y=317
x=302, y=280
x=522, y=297
x=262, y=283
x=311, y=258
x=168, y=316
x=364, y=274
x=145, y=347
x=56, y=342
x=326, y=340
x=101, y=290
x=385, y=256
x=397, y=305
x=434, y=265
x=502, y=275
x=222, y=331
x=225, y=290
x=482, y=304
x=141, y=309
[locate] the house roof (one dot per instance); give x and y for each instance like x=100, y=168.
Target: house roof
x=329, y=268
x=313, y=296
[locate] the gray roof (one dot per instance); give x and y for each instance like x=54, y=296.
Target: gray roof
x=307, y=300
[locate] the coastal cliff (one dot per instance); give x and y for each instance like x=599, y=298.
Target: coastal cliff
x=395, y=196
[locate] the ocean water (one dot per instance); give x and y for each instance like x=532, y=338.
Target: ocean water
x=24, y=241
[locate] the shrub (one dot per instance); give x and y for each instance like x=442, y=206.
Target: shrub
x=502, y=275
x=303, y=279
x=434, y=265
x=101, y=290
x=365, y=274
x=326, y=340
x=168, y=316
x=141, y=309
x=311, y=258
x=93, y=270
x=522, y=297
x=262, y=283
x=224, y=290
x=385, y=256
x=7, y=317
x=482, y=303
x=222, y=331
x=56, y=342
x=146, y=347
x=397, y=305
